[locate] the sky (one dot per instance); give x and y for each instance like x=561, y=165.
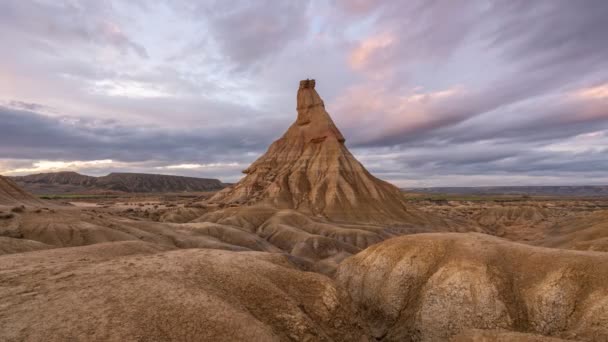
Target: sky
x=427, y=93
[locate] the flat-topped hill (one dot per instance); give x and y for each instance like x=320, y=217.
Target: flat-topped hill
x=71, y=182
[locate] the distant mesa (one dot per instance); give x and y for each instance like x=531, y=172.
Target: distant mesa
x=72, y=182
x=310, y=169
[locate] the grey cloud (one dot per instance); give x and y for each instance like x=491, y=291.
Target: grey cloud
x=547, y=120
x=29, y=106
x=538, y=35
x=246, y=33
x=55, y=24
x=552, y=33
x=28, y=135
x=489, y=116
x=546, y=47
x=496, y=161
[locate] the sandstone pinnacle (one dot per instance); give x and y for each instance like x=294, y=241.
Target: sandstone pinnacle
x=311, y=170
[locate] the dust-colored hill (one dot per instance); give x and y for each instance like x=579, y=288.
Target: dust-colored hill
x=9, y=245
x=137, y=291
x=571, y=224
x=429, y=287
x=317, y=242
x=310, y=169
x=11, y=194
x=582, y=233
x=72, y=182
x=480, y=335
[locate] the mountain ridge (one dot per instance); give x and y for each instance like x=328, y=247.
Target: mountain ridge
x=71, y=182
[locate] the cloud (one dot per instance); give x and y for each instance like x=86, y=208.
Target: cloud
x=29, y=106
x=30, y=135
x=197, y=166
x=551, y=34
x=493, y=163
x=55, y=166
x=599, y=92
x=361, y=57
x=53, y=24
x=246, y=33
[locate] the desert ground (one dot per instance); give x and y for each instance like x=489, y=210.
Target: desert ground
x=308, y=246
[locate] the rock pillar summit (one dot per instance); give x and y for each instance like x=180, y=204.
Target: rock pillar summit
x=311, y=111
x=310, y=169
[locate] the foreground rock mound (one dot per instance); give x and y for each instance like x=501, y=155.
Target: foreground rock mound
x=136, y=291
x=10, y=245
x=477, y=335
x=430, y=287
x=12, y=194
x=310, y=169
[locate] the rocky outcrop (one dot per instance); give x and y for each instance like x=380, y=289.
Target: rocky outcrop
x=11, y=194
x=430, y=287
x=316, y=241
x=137, y=291
x=310, y=169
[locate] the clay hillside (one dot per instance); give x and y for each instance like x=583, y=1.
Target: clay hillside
x=310, y=169
x=11, y=194
x=72, y=182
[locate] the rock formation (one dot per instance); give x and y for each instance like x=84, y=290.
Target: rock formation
x=12, y=194
x=138, y=291
x=310, y=169
x=430, y=287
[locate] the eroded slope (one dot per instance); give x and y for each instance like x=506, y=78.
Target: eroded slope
x=430, y=287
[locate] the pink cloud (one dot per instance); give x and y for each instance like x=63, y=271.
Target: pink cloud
x=358, y=7
x=370, y=50
x=390, y=112
x=593, y=93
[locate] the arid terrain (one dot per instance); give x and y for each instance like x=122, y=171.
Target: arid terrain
x=561, y=191
x=308, y=246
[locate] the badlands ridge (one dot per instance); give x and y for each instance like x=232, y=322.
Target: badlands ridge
x=308, y=246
